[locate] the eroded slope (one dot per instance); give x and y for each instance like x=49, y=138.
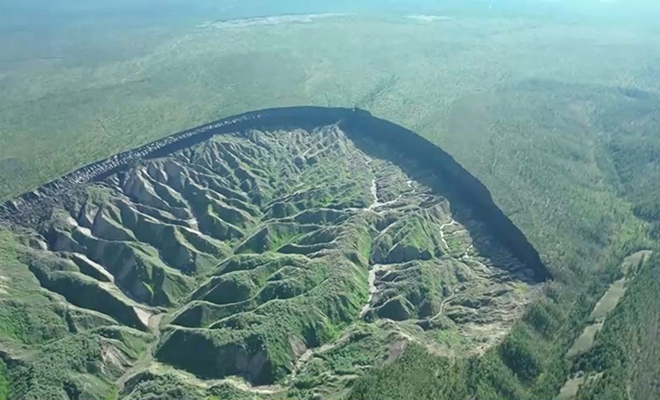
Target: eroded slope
x=290, y=257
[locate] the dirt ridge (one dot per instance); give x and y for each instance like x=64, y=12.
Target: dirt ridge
x=31, y=208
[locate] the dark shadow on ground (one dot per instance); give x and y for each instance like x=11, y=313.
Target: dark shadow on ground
x=430, y=165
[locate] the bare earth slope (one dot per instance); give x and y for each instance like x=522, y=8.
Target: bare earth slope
x=272, y=262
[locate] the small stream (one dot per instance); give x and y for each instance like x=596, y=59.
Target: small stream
x=372, y=287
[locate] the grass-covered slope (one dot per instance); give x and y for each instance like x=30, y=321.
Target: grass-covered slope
x=294, y=258
x=50, y=348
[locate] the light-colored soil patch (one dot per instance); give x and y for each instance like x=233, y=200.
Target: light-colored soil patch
x=395, y=350
x=111, y=355
x=572, y=386
x=570, y=389
x=603, y=308
x=634, y=260
x=238, y=383
x=143, y=314
x=372, y=286
x=442, y=233
x=607, y=304
x=274, y=20
x=586, y=340
x=3, y=284
x=154, y=322
x=100, y=269
x=609, y=301
x=429, y=18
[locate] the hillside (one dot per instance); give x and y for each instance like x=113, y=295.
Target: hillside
x=281, y=259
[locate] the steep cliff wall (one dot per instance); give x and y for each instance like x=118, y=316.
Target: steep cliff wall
x=469, y=190
x=33, y=207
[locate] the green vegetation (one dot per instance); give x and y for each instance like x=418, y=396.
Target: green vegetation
x=50, y=350
x=416, y=375
x=297, y=288
x=4, y=381
x=635, y=153
x=624, y=357
x=559, y=120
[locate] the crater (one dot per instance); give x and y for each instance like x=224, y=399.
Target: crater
x=264, y=237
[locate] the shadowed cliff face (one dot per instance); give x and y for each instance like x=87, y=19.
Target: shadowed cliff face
x=248, y=246
x=468, y=189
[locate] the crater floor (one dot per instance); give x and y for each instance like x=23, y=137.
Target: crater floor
x=273, y=261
